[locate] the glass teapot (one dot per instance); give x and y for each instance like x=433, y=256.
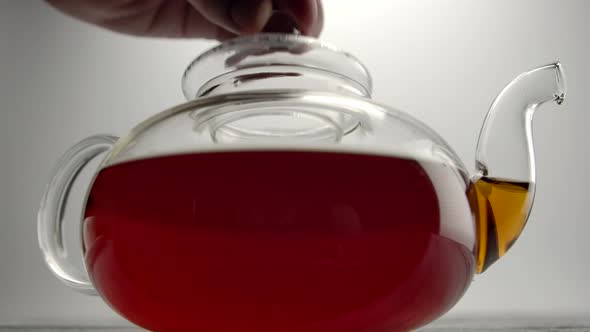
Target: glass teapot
x=280, y=197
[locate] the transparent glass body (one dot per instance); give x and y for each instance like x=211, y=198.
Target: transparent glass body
x=280, y=141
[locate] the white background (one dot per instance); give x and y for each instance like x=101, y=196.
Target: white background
x=442, y=61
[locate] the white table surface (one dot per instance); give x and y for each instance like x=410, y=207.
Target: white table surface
x=471, y=324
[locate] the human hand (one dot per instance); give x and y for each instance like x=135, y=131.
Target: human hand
x=212, y=19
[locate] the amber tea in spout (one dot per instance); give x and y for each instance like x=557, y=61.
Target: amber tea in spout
x=502, y=207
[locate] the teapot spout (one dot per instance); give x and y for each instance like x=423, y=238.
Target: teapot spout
x=504, y=184
x=505, y=146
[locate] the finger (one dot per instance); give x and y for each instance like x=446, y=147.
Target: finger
x=236, y=16
x=93, y=11
x=160, y=18
x=251, y=15
x=194, y=25
x=172, y=19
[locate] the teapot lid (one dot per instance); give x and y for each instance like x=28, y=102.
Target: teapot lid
x=275, y=61
x=278, y=91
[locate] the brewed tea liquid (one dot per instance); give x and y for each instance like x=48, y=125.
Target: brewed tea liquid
x=502, y=211
x=276, y=241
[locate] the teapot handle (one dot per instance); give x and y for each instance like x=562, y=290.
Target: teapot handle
x=50, y=217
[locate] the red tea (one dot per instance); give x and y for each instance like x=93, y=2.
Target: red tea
x=272, y=241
